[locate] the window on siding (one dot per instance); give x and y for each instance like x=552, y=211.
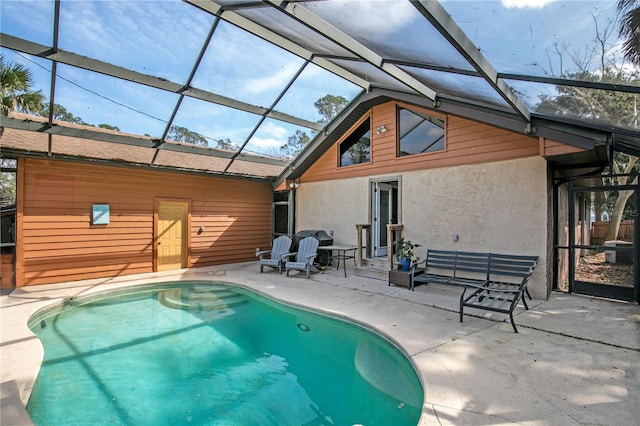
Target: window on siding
x=419, y=132
x=356, y=149
x=282, y=219
x=8, y=201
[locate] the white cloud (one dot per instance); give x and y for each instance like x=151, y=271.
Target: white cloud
x=270, y=136
x=262, y=143
x=521, y=4
x=269, y=82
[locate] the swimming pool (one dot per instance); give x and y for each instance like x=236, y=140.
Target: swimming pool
x=203, y=353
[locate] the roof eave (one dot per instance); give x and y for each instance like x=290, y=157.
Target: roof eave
x=570, y=133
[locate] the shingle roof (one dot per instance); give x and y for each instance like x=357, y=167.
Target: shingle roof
x=62, y=146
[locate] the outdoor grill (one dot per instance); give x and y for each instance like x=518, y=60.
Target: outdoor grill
x=323, y=238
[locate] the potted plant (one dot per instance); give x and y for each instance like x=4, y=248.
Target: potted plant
x=405, y=253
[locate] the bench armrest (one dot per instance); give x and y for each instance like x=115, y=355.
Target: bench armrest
x=414, y=265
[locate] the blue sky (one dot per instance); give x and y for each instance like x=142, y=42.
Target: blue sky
x=164, y=42
x=163, y=38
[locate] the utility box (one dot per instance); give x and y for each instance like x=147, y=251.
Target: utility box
x=618, y=256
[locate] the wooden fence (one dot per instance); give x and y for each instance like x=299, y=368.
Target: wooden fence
x=599, y=232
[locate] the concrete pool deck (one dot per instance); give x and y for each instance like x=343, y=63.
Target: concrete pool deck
x=575, y=360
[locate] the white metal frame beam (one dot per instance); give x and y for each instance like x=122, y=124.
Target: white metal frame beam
x=275, y=38
x=303, y=15
x=68, y=58
x=444, y=23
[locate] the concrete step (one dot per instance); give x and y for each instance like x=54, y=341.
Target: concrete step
x=376, y=263
x=184, y=298
x=375, y=273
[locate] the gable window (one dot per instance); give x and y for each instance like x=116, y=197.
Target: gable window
x=356, y=148
x=419, y=132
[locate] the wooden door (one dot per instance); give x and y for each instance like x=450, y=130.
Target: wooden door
x=171, y=235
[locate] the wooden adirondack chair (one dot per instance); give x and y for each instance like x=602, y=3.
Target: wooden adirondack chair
x=273, y=258
x=307, y=252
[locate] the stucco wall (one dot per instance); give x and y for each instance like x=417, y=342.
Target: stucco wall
x=336, y=205
x=499, y=207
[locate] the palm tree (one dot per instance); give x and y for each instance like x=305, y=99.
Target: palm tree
x=16, y=85
x=630, y=28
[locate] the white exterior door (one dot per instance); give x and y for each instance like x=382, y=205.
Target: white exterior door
x=383, y=215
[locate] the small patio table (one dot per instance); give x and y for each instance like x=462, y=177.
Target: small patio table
x=343, y=252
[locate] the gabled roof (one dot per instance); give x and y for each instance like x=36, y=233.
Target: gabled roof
x=591, y=140
x=247, y=73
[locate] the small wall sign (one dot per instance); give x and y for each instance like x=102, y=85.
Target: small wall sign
x=100, y=214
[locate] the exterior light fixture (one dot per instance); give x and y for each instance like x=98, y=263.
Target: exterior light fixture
x=293, y=185
x=381, y=129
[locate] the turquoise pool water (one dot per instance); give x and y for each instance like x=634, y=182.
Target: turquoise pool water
x=204, y=354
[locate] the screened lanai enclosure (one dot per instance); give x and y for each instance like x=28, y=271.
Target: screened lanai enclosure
x=259, y=90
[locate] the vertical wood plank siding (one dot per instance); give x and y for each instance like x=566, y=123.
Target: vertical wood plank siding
x=467, y=142
x=59, y=242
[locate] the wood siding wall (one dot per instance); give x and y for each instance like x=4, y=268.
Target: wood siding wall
x=57, y=241
x=7, y=268
x=467, y=142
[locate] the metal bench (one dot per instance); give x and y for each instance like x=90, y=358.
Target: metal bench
x=452, y=267
x=508, y=278
x=497, y=281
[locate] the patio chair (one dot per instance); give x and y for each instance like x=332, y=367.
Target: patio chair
x=281, y=245
x=307, y=252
